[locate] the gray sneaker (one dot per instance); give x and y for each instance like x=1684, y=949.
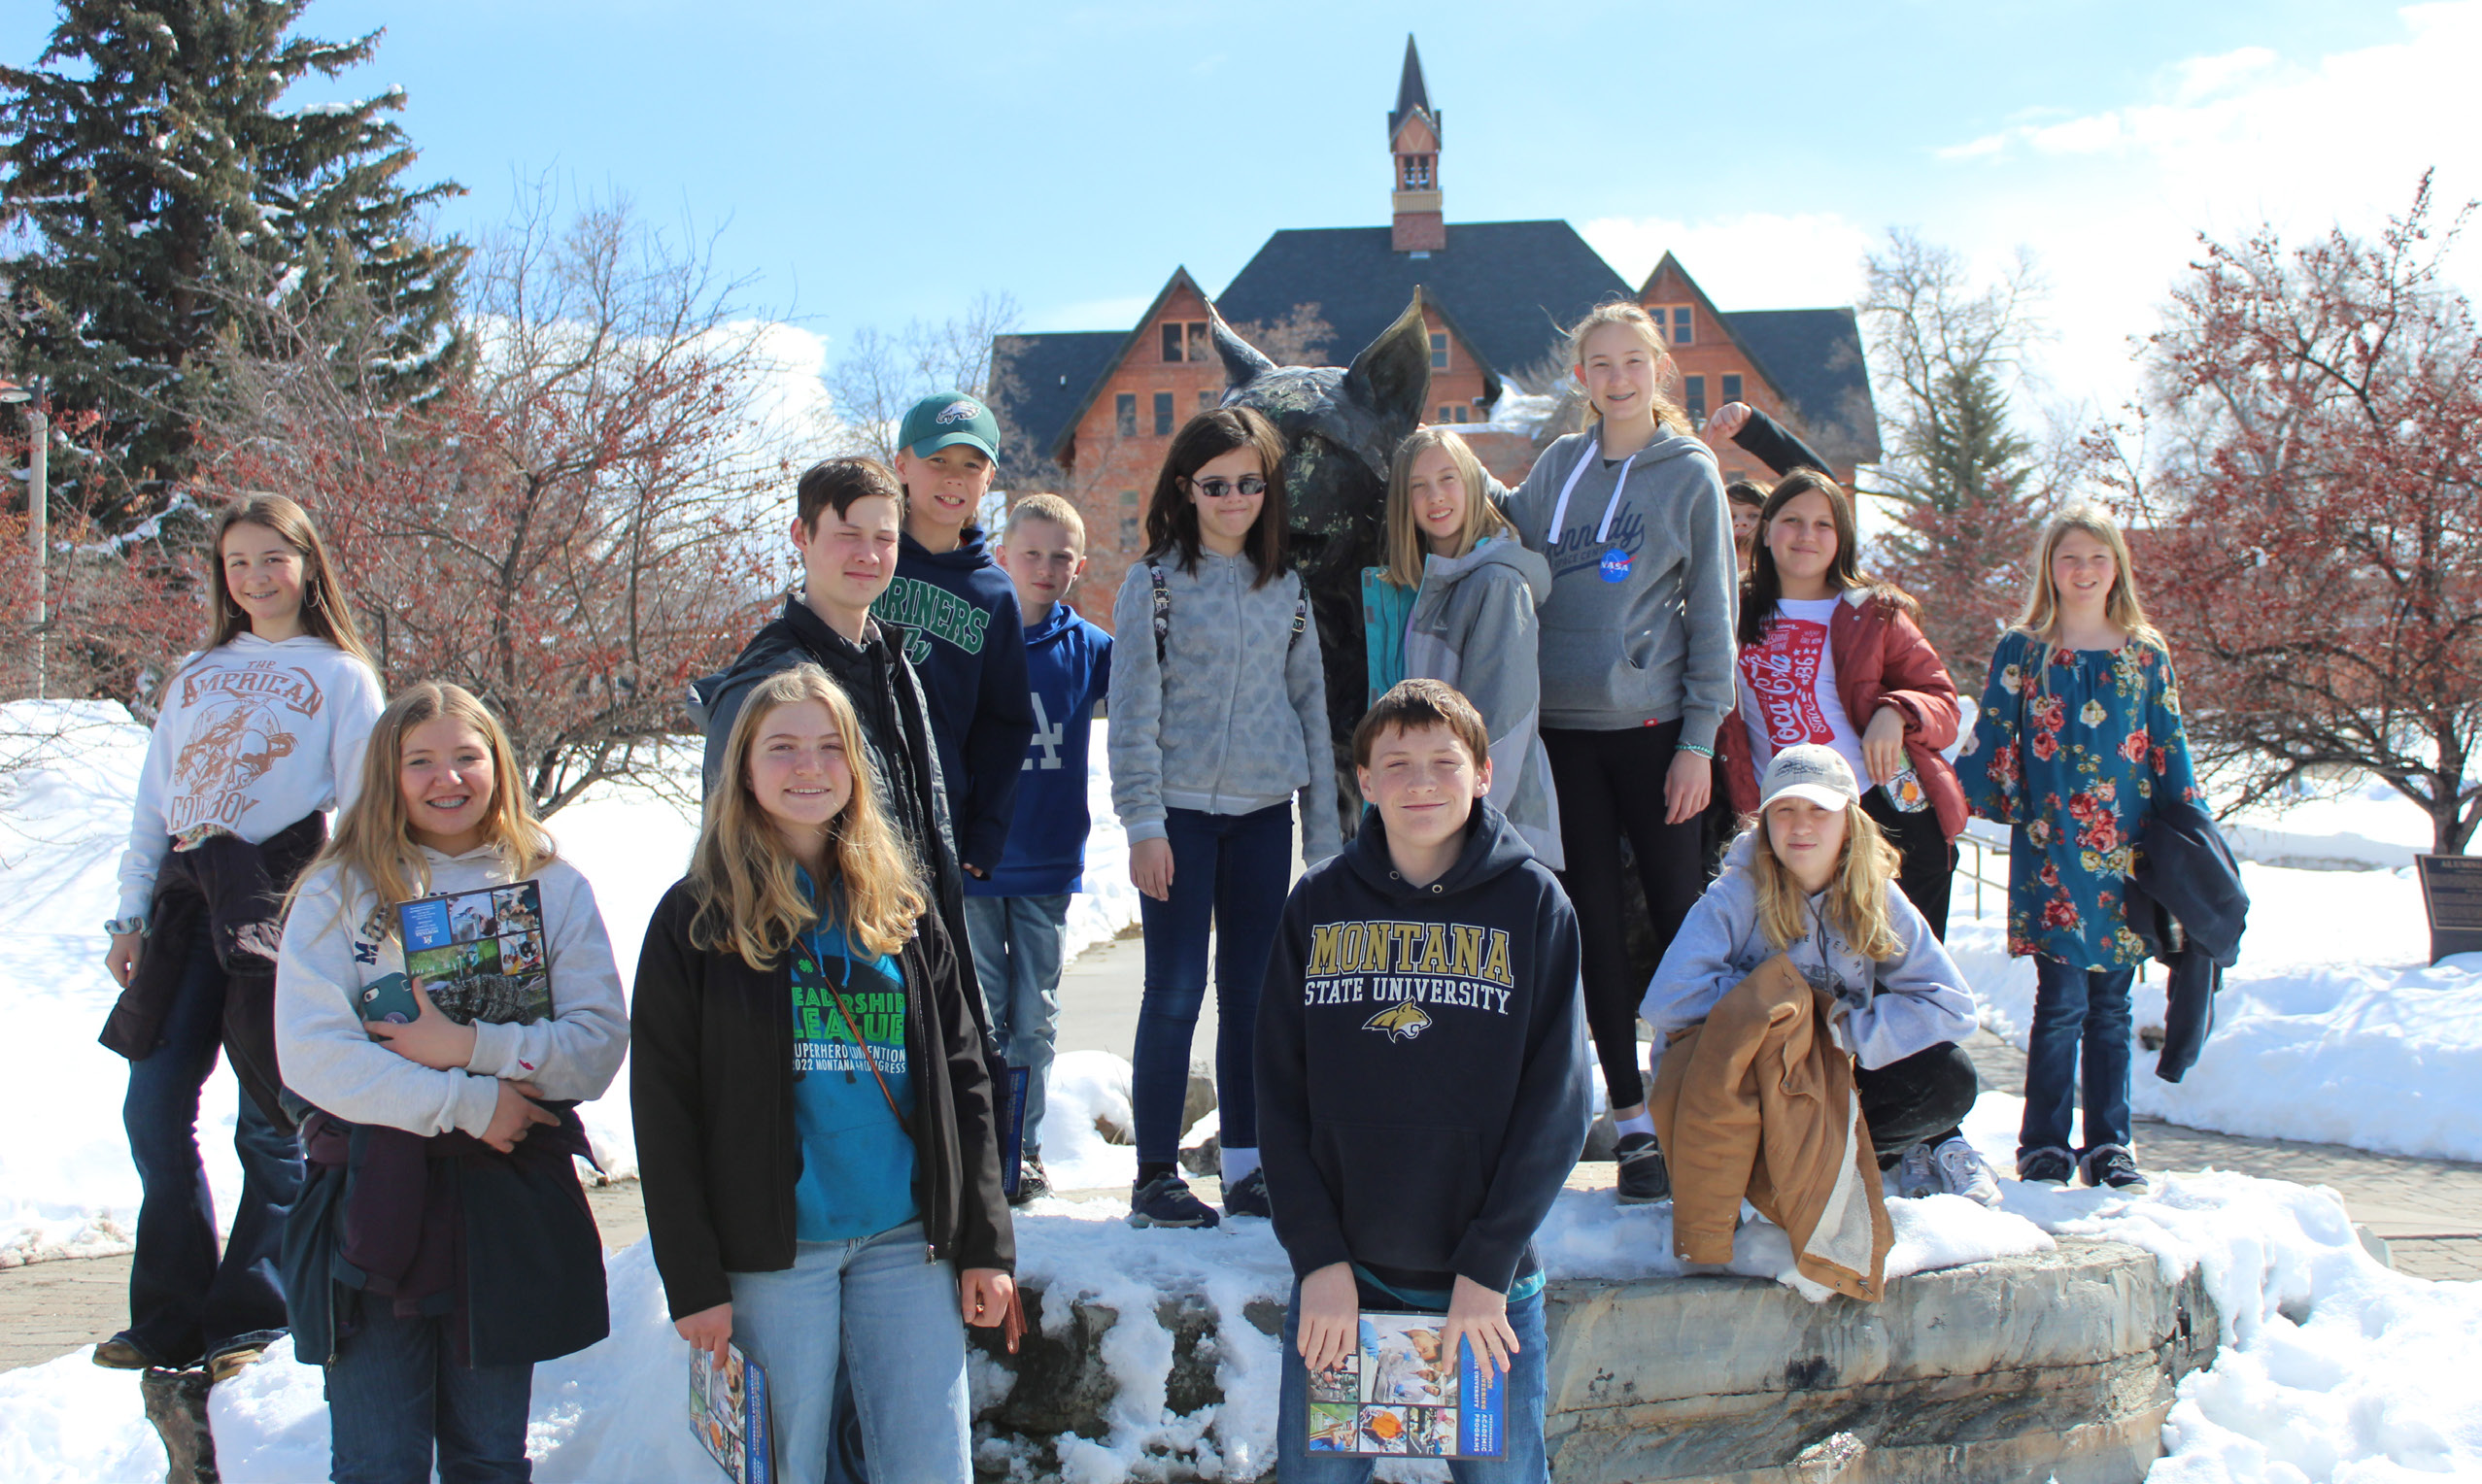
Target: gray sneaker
x=1916, y=1175
x=1962, y=1171
x=2112, y=1165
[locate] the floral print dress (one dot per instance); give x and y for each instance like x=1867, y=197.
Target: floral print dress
x=2072, y=747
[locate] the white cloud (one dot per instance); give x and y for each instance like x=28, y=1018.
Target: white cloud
x=1755, y=261
x=2202, y=77
x=1118, y=313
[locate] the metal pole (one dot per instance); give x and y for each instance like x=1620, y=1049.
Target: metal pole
x=39, y=528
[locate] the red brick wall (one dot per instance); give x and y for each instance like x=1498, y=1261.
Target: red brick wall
x=1712, y=355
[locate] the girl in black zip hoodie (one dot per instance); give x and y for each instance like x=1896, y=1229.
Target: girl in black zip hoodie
x=1421, y=1074
x=814, y=1119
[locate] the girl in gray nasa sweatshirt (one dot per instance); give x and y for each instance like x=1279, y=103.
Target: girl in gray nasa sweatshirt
x=1636, y=663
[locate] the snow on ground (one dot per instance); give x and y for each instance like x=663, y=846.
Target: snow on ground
x=68, y=774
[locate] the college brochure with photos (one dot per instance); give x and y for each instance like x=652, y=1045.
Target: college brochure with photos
x=1397, y=1395
x=478, y=955
x=728, y=1414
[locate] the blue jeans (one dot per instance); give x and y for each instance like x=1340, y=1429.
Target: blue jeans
x=1230, y=870
x=393, y=1392
x=2077, y=1009
x=1526, y=1385
x=185, y=1302
x=1016, y=955
x=875, y=1309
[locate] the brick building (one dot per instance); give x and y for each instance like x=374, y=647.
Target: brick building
x=1090, y=414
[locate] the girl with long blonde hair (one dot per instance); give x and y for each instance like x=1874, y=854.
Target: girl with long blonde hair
x=441, y=1245
x=1636, y=670
x=1814, y=878
x=812, y=1109
x=256, y=736
x=2077, y=741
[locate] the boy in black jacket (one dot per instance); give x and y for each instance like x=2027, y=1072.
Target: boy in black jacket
x=1422, y=1075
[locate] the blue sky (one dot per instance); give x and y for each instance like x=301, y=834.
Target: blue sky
x=868, y=164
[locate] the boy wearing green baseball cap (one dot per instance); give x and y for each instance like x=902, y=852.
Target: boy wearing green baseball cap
x=964, y=634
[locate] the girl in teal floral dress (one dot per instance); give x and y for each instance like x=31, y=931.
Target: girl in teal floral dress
x=2078, y=735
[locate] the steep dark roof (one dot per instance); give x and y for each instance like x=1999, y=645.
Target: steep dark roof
x=1411, y=94
x=1038, y=385
x=1813, y=357
x=1510, y=285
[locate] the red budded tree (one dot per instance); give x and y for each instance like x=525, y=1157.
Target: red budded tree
x=2315, y=550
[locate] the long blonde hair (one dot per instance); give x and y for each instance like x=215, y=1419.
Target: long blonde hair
x=1856, y=893
x=374, y=842
x=1404, y=546
x=1669, y=414
x=2120, y=606
x=750, y=901
x=324, y=610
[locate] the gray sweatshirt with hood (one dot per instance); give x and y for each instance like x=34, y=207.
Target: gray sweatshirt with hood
x=1482, y=605
x=1893, y=1007
x=1638, y=624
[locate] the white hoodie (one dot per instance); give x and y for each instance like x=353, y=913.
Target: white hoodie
x=251, y=736
x=331, y=954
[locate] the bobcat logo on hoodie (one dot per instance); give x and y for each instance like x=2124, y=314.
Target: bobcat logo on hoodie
x=1400, y=1022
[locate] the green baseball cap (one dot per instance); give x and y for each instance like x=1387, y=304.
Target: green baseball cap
x=945, y=419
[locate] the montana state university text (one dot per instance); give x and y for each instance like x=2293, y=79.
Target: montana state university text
x=1440, y=964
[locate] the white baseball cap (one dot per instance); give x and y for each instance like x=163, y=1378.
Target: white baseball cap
x=1810, y=771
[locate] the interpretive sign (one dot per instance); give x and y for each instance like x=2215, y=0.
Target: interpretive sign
x=2452, y=896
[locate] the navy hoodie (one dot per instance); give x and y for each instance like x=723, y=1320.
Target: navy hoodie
x=1422, y=1067
x=967, y=644
x=1068, y=668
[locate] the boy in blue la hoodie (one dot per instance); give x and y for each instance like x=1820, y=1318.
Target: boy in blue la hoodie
x=1423, y=1077
x=967, y=641
x=1019, y=916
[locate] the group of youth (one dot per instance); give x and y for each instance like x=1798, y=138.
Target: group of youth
x=870, y=924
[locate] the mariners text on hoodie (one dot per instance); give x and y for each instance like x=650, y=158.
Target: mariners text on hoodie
x=966, y=643
x=1422, y=1085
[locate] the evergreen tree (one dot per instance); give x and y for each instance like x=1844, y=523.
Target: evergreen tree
x=157, y=181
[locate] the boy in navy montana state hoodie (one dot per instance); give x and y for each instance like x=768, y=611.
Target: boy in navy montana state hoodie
x=1019, y=917
x=966, y=643
x=1422, y=1070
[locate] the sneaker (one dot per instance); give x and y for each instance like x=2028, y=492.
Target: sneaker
x=121, y=1352
x=2049, y=1166
x=1643, y=1180
x=1165, y=1202
x=1248, y=1195
x=1032, y=1183
x=225, y=1365
x=1916, y=1175
x=2112, y=1165
x=1963, y=1171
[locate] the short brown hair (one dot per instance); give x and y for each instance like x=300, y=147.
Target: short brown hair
x=838, y=484
x=1746, y=492
x=1046, y=507
x=1410, y=705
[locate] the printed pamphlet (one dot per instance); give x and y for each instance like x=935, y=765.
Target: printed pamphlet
x=728, y=1414
x=478, y=955
x=1397, y=1395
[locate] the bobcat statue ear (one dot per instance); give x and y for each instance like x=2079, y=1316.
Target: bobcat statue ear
x=1392, y=375
x=1242, y=361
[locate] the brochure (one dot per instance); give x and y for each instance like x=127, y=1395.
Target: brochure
x=728, y=1414
x=478, y=955
x=1399, y=1396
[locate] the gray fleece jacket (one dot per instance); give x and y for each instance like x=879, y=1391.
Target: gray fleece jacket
x=1481, y=604
x=1235, y=718
x=1638, y=624
x=1893, y=1008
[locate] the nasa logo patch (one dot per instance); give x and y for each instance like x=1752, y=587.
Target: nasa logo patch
x=1614, y=565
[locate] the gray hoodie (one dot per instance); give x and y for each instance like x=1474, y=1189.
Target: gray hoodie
x=1638, y=624
x=1895, y=1009
x=1235, y=718
x=1482, y=604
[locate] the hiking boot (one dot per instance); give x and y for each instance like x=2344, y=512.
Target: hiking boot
x=1643, y=1179
x=1165, y=1202
x=2113, y=1165
x=121, y=1352
x=1963, y=1171
x=2048, y=1165
x=1032, y=1183
x=1916, y=1175
x=225, y=1365
x=1248, y=1195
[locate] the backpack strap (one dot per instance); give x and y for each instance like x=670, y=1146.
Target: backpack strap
x=1163, y=609
x=1301, y=619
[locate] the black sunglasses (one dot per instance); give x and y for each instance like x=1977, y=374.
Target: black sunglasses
x=1216, y=489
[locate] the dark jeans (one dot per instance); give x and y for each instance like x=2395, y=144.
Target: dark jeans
x=185, y=1302
x=1927, y=871
x=1923, y=1097
x=2077, y=1010
x=1611, y=785
x=1230, y=870
x=393, y=1392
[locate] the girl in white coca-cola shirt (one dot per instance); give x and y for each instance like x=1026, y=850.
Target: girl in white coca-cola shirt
x=1830, y=656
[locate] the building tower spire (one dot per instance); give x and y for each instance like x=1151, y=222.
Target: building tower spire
x=1413, y=140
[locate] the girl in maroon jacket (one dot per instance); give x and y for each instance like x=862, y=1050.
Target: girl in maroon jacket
x=1829, y=655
